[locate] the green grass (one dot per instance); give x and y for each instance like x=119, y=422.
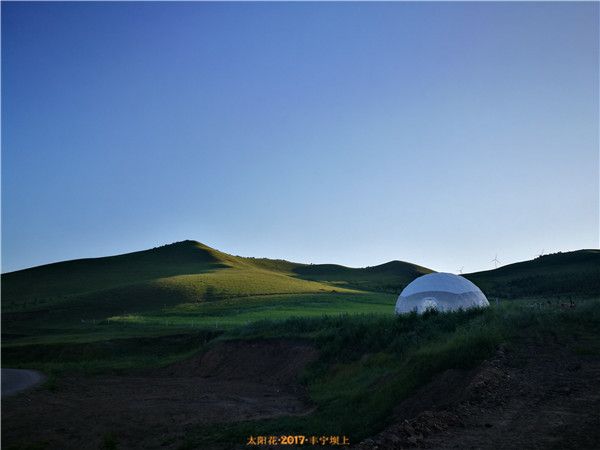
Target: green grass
x=88, y=322
x=109, y=355
x=188, y=287
x=369, y=363
x=227, y=314
x=183, y=272
x=49, y=341
x=148, y=309
x=390, y=277
x=179, y=287
x=180, y=273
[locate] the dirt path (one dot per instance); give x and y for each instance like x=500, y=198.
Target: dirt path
x=537, y=396
x=234, y=381
x=17, y=380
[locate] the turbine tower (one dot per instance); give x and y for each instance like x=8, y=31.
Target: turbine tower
x=495, y=261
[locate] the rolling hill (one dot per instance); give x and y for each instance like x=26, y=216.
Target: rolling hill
x=187, y=272
x=160, y=310
x=390, y=277
x=186, y=284
x=572, y=273
x=190, y=272
x=189, y=284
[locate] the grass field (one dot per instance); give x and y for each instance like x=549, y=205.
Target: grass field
x=149, y=309
x=188, y=287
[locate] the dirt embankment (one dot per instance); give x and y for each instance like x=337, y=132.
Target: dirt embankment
x=532, y=395
x=536, y=396
x=233, y=381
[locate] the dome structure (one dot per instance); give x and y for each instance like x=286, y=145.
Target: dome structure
x=440, y=291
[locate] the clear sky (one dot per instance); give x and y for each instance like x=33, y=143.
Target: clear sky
x=352, y=133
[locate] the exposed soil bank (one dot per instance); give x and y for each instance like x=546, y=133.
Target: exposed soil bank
x=534, y=394
x=539, y=395
x=233, y=381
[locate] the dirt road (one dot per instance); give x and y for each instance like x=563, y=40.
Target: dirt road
x=17, y=380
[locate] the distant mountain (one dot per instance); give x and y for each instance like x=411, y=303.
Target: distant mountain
x=571, y=273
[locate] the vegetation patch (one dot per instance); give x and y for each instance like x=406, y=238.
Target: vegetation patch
x=368, y=364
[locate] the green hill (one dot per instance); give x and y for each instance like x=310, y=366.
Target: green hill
x=190, y=271
x=185, y=271
x=63, y=279
x=188, y=284
x=389, y=277
x=572, y=273
x=134, y=313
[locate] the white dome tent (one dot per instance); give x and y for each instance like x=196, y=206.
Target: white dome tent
x=440, y=291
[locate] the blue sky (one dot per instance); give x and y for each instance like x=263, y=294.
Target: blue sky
x=352, y=133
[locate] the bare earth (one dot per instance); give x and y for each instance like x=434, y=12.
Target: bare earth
x=538, y=396
x=233, y=381
x=533, y=396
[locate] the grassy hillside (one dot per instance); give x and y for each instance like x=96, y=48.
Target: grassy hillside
x=186, y=284
x=129, y=313
x=55, y=282
x=389, y=277
x=186, y=271
x=572, y=273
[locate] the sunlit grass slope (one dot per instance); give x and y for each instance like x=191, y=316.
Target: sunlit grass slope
x=186, y=284
x=182, y=272
x=24, y=289
x=227, y=314
x=87, y=323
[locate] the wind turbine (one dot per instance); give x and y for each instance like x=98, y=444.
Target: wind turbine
x=495, y=261
x=461, y=269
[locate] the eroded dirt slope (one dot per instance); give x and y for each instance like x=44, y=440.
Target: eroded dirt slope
x=233, y=381
x=539, y=395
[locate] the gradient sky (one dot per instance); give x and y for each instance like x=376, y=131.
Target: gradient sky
x=352, y=133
